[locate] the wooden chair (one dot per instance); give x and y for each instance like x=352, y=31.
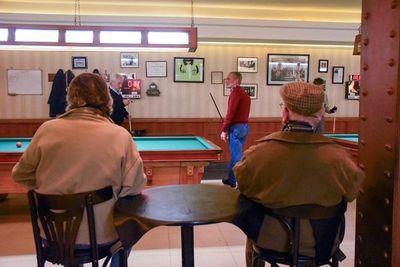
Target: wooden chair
x=60, y=217
x=328, y=225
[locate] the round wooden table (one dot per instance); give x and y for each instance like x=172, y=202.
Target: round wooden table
x=176, y=205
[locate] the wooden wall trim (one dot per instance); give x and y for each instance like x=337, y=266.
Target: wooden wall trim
x=210, y=128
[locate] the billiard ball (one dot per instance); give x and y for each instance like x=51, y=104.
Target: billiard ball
x=18, y=144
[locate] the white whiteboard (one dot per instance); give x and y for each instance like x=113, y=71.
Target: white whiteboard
x=24, y=82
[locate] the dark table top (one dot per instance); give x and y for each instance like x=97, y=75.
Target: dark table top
x=193, y=204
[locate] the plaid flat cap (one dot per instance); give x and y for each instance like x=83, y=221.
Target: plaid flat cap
x=302, y=98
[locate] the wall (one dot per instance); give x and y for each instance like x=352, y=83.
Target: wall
x=177, y=100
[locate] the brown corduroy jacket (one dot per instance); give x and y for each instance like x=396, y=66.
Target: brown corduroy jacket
x=294, y=168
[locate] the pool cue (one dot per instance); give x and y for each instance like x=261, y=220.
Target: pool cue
x=215, y=104
x=334, y=124
x=130, y=121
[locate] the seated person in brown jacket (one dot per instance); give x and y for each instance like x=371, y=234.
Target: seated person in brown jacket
x=296, y=166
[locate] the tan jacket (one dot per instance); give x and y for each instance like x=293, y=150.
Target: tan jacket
x=78, y=152
x=293, y=168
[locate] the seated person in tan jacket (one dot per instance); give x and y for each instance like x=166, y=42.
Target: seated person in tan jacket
x=296, y=166
x=83, y=150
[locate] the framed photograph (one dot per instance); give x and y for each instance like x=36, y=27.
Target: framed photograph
x=79, y=63
x=227, y=88
x=129, y=60
x=337, y=75
x=217, y=77
x=323, y=65
x=251, y=89
x=156, y=68
x=189, y=70
x=247, y=64
x=352, y=90
x=285, y=68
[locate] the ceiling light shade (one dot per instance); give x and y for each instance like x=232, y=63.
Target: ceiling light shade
x=120, y=37
x=3, y=35
x=357, y=45
x=168, y=38
x=31, y=35
x=36, y=35
x=72, y=36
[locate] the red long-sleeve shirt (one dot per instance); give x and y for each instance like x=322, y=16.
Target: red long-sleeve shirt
x=238, y=108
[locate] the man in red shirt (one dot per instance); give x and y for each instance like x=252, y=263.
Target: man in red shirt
x=235, y=123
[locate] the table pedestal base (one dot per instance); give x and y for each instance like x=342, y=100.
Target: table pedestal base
x=187, y=246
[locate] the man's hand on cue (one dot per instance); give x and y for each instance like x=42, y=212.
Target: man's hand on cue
x=126, y=102
x=223, y=136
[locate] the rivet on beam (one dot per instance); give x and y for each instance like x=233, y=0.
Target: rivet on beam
x=367, y=15
x=388, y=147
x=387, y=201
x=388, y=174
x=385, y=255
x=389, y=119
x=364, y=93
x=390, y=91
x=359, y=238
x=366, y=41
x=392, y=34
x=391, y=62
x=361, y=191
x=359, y=262
x=386, y=228
x=362, y=141
x=363, y=117
x=362, y=166
x=394, y=4
x=361, y=215
x=365, y=67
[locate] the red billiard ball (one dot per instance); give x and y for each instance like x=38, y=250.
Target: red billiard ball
x=18, y=144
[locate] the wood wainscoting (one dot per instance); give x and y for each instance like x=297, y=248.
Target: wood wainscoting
x=209, y=128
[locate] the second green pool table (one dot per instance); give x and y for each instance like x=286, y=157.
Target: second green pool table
x=348, y=141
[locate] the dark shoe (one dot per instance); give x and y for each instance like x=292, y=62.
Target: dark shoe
x=227, y=182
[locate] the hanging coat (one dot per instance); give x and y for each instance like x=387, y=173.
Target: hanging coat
x=58, y=95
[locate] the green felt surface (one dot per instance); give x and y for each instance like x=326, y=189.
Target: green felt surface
x=347, y=137
x=148, y=143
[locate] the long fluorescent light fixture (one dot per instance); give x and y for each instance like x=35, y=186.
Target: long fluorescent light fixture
x=31, y=35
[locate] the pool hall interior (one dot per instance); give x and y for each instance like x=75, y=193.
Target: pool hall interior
x=228, y=33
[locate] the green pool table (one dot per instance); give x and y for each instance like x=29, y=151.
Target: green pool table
x=348, y=141
x=167, y=159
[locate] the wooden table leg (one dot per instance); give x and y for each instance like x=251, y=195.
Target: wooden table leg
x=187, y=246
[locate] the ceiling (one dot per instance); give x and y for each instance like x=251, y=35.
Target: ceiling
x=338, y=11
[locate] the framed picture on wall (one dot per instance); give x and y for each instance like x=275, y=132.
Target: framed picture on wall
x=79, y=63
x=156, y=69
x=227, y=89
x=251, y=89
x=129, y=60
x=337, y=74
x=352, y=91
x=285, y=68
x=323, y=65
x=247, y=64
x=217, y=77
x=188, y=70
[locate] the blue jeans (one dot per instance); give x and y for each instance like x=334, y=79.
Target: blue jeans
x=237, y=137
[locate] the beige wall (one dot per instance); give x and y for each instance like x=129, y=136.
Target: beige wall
x=177, y=100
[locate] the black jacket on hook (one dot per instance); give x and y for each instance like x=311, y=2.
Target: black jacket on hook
x=58, y=95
